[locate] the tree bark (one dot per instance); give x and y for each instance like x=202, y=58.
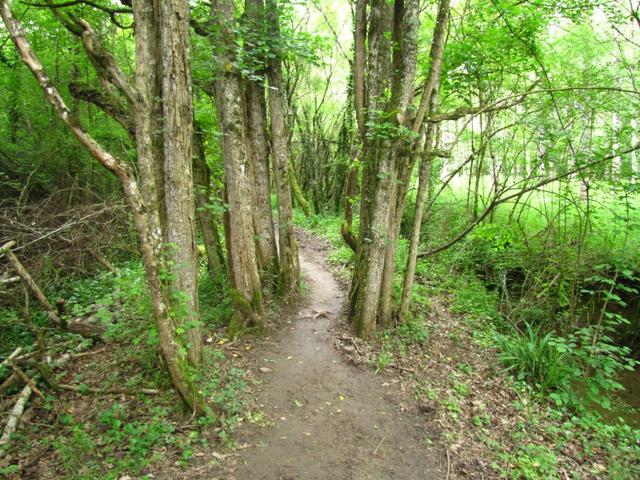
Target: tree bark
x=267, y=250
x=206, y=219
x=177, y=148
x=359, y=47
x=145, y=217
x=414, y=241
x=389, y=153
x=430, y=99
x=406, y=33
x=289, y=268
x=148, y=107
x=349, y=194
x=242, y=261
x=378, y=176
x=263, y=216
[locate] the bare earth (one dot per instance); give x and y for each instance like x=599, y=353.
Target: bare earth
x=330, y=420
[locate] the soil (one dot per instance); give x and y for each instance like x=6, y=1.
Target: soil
x=327, y=418
x=315, y=412
x=441, y=407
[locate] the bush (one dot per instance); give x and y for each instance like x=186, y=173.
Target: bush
x=534, y=357
x=578, y=370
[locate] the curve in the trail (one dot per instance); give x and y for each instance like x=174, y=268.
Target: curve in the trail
x=330, y=420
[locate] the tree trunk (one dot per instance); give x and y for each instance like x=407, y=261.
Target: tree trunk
x=178, y=141
x=349, y=194
x=429, y=98
x=267, y=250
x=378, y=173
x=242, y=262
x=359, y=48
x=390, y=156
x=297, y=192
x=414, y=241
x=262, y=216
x=145, y=215
x=289, y=274
x=206, y=218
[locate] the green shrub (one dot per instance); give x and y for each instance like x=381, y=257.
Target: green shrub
x=534, y=356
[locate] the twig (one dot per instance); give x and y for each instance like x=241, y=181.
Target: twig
x=379, y=444
x=81, y=328
x=5, y=281
x=8, y=383
x=25, y=378
x=28, y=280
x=103, y=261
x=91, y=352
x=63, y=227
x=448, y=465
x=352, y=341
x=107, y=391
x=11, y=357
x=400, y=367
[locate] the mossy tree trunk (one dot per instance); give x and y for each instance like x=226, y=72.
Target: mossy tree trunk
x=229, y=95
x=177, y=137
x=267, y=250
x=430, y=99
x=207, y=220
x=289, y=268
x=143, y=200
x=390, y=131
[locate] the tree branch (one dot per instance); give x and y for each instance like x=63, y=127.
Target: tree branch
x=498, y=199
x=107, y=103
x=14, y=28
x=72, y=3
x=512, y=100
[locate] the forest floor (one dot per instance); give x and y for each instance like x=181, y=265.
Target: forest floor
x=323, y=418
x=307, y=400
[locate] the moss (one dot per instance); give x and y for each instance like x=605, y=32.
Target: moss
x=297, y=192
x=241, y=303
x=247, y=313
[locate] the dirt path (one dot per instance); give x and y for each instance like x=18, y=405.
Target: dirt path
x=330, y=420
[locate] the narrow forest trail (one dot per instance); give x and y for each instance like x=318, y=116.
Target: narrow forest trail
x=330, y=420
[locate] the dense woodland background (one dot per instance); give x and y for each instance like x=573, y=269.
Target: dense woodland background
x=157, y=157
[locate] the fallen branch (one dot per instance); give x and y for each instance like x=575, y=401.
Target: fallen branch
x=8, y=383
x=346, y=338
x=107, y=391
x=94, y=332
x=379, y=445
x=401, y=368
x=103, y=261
x=11, y=357
x=91, y=352
x=14, y=418
x=448, y=466
x=28, y=381
x=5, y=281
x=23, y=398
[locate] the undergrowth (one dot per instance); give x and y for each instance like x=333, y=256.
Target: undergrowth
x=114, y=437
x=546, y=288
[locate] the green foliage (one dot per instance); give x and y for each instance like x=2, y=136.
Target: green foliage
x=225, y=388
x=14, y=332
x=535, y=357
x=531, y=462
x=76, y=452
x=216, y=307
x=384, y=358
x=117, y=441
x=413, y=332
